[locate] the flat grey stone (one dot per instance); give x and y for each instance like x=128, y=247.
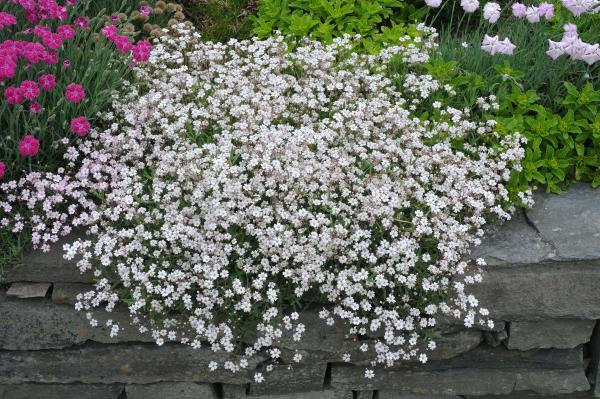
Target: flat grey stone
x=119, y=363
x=364, y=394
x=49, y=266
x=552, y=381
x=233, y=391
x=66, y=293
x=34, y=324
x=569, y=221
x=28, y=290
x=550, y=333
x=543, y=291
x=305, y=376
x=533, y=395
x=321, y=394
x=171, y=390
x=514, y=242
x=60, y=391
x=452, y=345
x=478, y=372
x=398, y=395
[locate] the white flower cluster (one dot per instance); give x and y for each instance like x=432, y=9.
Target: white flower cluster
x=250, y=176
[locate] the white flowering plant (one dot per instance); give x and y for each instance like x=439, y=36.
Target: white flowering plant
x=236, y=180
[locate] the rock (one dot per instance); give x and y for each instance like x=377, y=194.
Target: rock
x=321, y=394
x=234, y=391
x=60, y=391
x=544, y=291
x=66, y=293
x=171, y=390
x=28, y=290
x=32, y=325
x=551, y=333
x=49, y=266
x=478, y=372
x=552, y=381
x=533, y=395
x=306, y=376
x=568, y=221
x=119, y=363
x=494, y=338
x=514, y=242
x=396, y=395
x=364, y=394
x=451, y=345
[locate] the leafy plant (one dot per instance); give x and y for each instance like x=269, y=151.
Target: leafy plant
x=377, y=22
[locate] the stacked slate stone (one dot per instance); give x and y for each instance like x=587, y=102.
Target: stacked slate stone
x=542, y=287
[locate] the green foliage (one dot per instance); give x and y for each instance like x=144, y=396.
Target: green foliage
x=221, y=20
x=377, y=22
x=563, y=145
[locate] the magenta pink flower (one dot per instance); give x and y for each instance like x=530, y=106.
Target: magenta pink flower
x=75, y=93
x=110, y=32
x=2, y=170
x=7, y=19
x=66, y=64
x=141, y=51
x=47, y=82
x=13, y=95
x=123, y=44
x=52, y=40
x=8, y=68
x=80, y=126
x=66, y=32
x=29, y=89
x=35, y=107
x=29, y=146
x=81, y=22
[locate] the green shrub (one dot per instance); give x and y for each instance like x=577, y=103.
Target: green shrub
x=377, y=22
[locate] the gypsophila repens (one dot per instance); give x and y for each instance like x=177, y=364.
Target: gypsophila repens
x=242, y=176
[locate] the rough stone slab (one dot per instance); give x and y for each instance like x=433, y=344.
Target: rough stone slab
x=33, y=324
x=322, y=394
x=552, y=381
x=171, y=390
x=60, y=391
x=364, y=394
x=118, y=363
x=452, y=345
x=49, y=266
x=306, y=376
x=514, y=242
x=468, y=381
x=551, y=333
x=397, y=395
x=478, y=372
x=569, y=221
x=544, y=291
x=233, y=391
x=494, y=338
x=28, y=290
x=533, y=395
x=66, y=293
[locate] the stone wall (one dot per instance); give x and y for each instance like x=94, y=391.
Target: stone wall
x=542, y=287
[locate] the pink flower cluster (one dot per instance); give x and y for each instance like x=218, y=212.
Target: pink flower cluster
x=43, y=9
x=574, y=47
x=533, y=14
x=141, y=50
x=493, y=45
x=16, y=54
x=7, y=19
